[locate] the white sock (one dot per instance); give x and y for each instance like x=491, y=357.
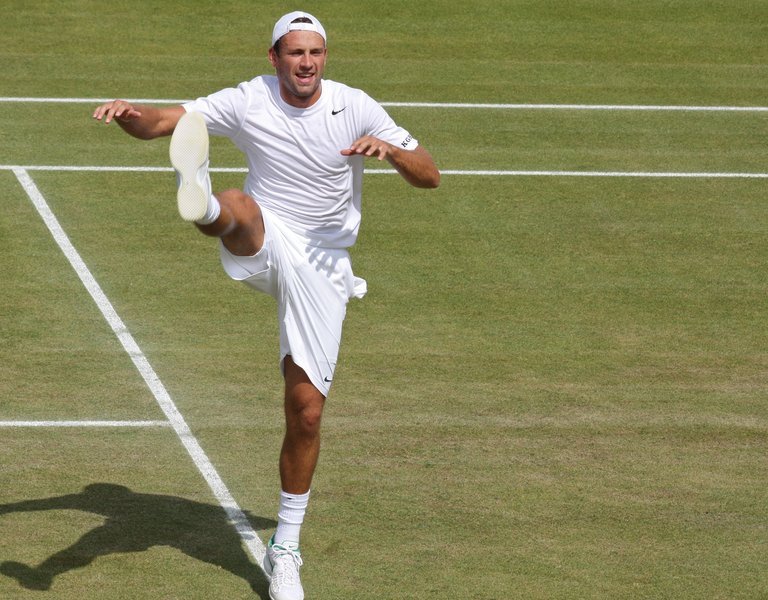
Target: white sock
x=212, y=212
x=290, y=516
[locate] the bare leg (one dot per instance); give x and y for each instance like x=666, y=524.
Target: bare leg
x=241, y=229
x=301, y=445
x=240, y=225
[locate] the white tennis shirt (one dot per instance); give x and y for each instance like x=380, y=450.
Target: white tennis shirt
x=295, y=165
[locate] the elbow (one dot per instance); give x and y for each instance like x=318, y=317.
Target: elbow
x=430, y=174
x=421, y=171
x=428, y=178
x=422, y=180
x=144, y=135
x=432, y=181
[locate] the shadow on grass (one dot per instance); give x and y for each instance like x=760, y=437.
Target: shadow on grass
x=136, y=522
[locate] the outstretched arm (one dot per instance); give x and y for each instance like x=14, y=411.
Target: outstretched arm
x=415, y=166
x=140, y=121
x=57, y=502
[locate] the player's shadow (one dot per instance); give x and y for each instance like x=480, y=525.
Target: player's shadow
x=135, y=522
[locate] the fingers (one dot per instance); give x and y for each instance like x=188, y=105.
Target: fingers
x=117, y=109
x=368, y=146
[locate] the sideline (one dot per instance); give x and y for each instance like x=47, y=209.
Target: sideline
x=235, y=514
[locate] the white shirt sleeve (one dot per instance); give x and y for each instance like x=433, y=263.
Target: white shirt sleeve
x=382, y=126
x=223, y=111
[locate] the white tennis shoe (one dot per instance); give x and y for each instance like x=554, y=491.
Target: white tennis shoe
x=189, y=157
x=282, y=563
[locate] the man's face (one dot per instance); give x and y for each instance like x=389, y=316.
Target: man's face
x=300, y=67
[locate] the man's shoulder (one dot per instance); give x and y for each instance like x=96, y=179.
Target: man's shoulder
x=348, y=93
x=254, y=91
x=244, y=89
x=260, y=83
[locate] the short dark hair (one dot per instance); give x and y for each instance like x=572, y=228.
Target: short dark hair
x=276, y=46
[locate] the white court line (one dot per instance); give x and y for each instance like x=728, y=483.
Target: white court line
x=480, y=173
x=672, y=174
x=630, y=107
x=236, y=516
x=471, y=105
x=75, y=424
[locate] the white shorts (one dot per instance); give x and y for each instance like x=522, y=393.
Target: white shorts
x=311, y=285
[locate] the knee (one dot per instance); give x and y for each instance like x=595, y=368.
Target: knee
x=303, y=416
x=310, y=419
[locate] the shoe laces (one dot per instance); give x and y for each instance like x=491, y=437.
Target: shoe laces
x=287, y=562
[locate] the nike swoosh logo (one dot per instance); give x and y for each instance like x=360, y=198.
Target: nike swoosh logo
x=325, y=378
x=336, y=112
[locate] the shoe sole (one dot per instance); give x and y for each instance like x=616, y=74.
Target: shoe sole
x=189, y=154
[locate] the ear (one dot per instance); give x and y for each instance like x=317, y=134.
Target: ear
x=272, y=55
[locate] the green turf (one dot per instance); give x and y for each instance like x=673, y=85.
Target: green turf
x=555, y=388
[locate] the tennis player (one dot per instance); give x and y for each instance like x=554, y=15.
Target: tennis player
x=287, y=232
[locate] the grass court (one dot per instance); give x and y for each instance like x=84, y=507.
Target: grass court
x=555, y=388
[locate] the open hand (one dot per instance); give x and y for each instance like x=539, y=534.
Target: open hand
x=117, y=109
x=369, y=145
